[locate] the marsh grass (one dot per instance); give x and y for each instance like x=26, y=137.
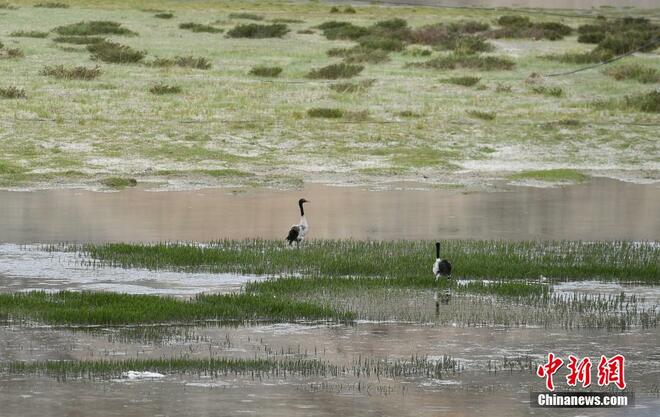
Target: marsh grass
x=161, y=89
x=335, y=71
x=264, y=71
x=200, y=28
x=360, y=54
x=326, y=113
x=483, y=115
x=635, y=72
x=79, y=40
x=551, y=175
x=52, y=5
x=627, y=261
x=165, y=15
x=246, y=16
x=548, y=91
x=115, y=53
x=352, y=87
x=28, y=34
x=521, y=27
x=12, y=92
x=644, y=102
x=71, y=73
x=188, y=61
x=258, y=31
x=119, y=182
x=96, y=27
x=466, y=81
x=462, y=61
x=113, y=309
x=619, y=36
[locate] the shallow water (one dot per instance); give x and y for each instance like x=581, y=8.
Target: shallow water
x=475, y=386
x=601, y=209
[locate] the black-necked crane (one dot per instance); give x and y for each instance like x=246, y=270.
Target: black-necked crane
x=441, y=267
x=298, y=231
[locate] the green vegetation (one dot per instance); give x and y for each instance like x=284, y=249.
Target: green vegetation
x=516, y=26
x=198, y=28
x=28, y=34
x=464, y=81
x=164, y=15
x=483, y=115
x=183, y=61
x=161, y=89
x=645, y=102
x=257, y=31
x=115, y=53
x=461, y=61
x=620, y=36
x=548, y=91
x=111, y=308
x=12, y=92
x=360, y=54
x=97, y=27
x=246, y=16
x=635, y=72
x=325, y=113
x=551, y=175
x=71, y=73
x=335, y=71
x=352, y=87
x=117, y=182
x=626, y=261
x=79, y=40
x=263, y=71
x=52, y=5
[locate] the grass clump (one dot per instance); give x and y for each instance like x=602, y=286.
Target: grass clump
x=263, y=71
x=334, y=30
x=521, y=27
x=165, y=15
x=551, y=175
x=119, y=182
x=335, y=71
x=483, y=115
x=97, y=27
x=649, y=102
x=477, y=62
x=12, y=92
x=199, y=28
x=161, y=89
x=348, y=87
x=590, y=57
x=620, y=36
x=548, y=91
x=52, y=5
x=246, y=16
x=79, y=40
x=114, y=309
x=635, y=72
x=258, y=31
x=466, y=81
x=28, y=34
x=7, y=6
x=406, y=260
x=360, y=54
x=11, y=53
x=326, y=113
x=462, y=37
x=188, y=61
x=71, y=73
x=115, y=53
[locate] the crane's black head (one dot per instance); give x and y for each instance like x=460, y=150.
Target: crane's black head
x=302, y=201
x=437, y=249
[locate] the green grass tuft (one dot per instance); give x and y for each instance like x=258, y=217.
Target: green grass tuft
x=161, y=89
x=79, y=40
x=71, y=73
x=246, y=16
x=263, y=71
x=52, y=5
x=118, y=182
x=166, y=15
x=326, y=113
x=335, y=71
x=12, y=92
x=199, y=28
x=635, y=72
x=466, y=81
x=28, y=34
x=483, y=115
x=477, y=62
x=97, y=27
x=115, y=53
x=258, y=31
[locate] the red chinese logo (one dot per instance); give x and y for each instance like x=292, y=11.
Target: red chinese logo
x=580, y=372
x=549, y=369
x=610, y=371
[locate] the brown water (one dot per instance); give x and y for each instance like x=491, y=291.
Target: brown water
x=474, y=387
x=601, y=209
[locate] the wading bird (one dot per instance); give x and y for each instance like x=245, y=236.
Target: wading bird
x=298, y=231
x=441, y=267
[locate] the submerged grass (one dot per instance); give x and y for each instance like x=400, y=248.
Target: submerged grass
x=627, y=261
x=111, y=308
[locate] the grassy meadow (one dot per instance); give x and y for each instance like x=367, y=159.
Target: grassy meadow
x=101, y=93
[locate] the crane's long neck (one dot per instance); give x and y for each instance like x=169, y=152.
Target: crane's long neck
x=302, y=210
x=437, y=250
